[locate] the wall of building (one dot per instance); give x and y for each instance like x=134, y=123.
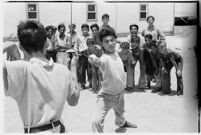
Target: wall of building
x=121, y=15
x=13, y=13
x=185, y=9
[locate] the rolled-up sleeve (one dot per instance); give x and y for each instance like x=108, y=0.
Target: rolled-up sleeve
x=14, y=78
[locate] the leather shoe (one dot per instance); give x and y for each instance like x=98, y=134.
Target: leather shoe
x=128, y=125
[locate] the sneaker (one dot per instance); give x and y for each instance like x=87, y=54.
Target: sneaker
x=129, y=89
x=128, y=125
x=179, y=93
x=90, y=85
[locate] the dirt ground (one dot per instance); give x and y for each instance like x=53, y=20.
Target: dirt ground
x=152, y=112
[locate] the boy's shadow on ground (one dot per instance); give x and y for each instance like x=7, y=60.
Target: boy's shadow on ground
x=172, y=93
x=120, y=130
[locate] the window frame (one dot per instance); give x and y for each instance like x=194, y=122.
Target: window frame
x=37, y=11
x=147, y=11
x=87, y=17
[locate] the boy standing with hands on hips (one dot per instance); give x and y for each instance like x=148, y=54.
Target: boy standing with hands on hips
x=111, y=94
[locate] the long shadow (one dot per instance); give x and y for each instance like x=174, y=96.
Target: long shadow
x=120, y=130
x=172, y=93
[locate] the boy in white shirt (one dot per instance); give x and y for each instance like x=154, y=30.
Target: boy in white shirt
x=38, y=85
x=111, y=94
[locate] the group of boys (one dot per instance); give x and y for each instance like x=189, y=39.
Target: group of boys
x=71, y=48
x=42, y=79
x=156, y=61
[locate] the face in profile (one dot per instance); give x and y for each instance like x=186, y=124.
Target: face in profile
x=109, y=43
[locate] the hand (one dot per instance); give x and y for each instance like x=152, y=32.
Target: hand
x=12, y=52
x=178, y=72
x=93, y=59
x=133, y=62
x=164, y=70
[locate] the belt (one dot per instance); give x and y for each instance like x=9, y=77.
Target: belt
x=43, y=128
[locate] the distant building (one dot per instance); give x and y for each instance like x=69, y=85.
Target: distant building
x=121, y=14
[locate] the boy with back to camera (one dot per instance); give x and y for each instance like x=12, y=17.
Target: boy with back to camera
x=37, y=84
x=111, y=95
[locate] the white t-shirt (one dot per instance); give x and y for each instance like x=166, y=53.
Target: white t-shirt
x=40, y=88
x=112, y=69
x=82, y=45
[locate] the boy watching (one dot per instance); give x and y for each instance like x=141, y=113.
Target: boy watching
x=111, y=95
x=137, y=44
x=82, y=69
x=95, y=71
x=153, y=69
x=40, y=95
x=171, y=58
x=129, y=63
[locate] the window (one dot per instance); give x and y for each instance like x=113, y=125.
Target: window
x=32, y=11
x=143, y=11
x=91, y=12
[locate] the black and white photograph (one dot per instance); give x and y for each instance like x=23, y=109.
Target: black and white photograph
x=107, y=66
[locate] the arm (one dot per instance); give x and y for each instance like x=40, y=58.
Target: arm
x=5, y=77
x=174, y=62
x=94, y=60
x=161, y=36
x=73, y=93
x=12, y=52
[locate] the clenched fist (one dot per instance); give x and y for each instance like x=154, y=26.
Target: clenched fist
x=94, y=60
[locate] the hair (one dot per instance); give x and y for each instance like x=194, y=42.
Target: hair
x=48, y=28
x=54, y=28
x=125, y=45
x=72, y=24
x=32, y=36
x=149, y=36
x=150, y=17
x=85, y=26
x=135, y=39
x=94, y=25
x=134, y=25
x=61, y=26
x=105, y=16
x=106, y=32
x=90, y=41
x=153, y=44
